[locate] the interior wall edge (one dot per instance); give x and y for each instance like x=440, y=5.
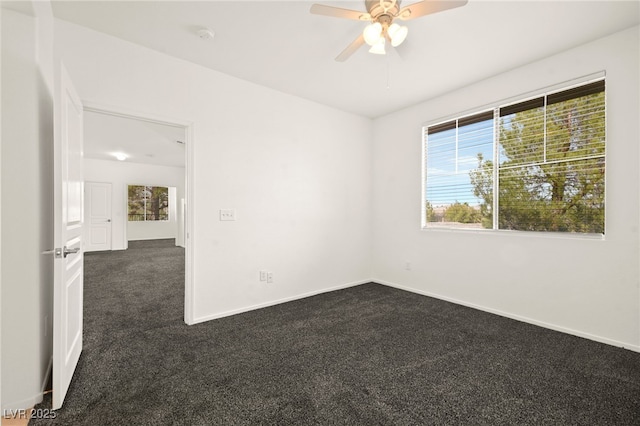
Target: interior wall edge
x=47, y=375
x=229, y=313
x=550, y=326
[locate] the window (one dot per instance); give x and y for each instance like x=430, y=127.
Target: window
x=148, y=203
x=535, y=165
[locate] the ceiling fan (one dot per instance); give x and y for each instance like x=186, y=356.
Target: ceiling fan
x=380, y=15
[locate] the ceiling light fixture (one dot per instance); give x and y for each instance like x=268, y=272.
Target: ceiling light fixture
x=381, y=15
x=397, y=34
x=120, y=156
x=378, y=48
x=376, y=33
x=205, y=34
x=372, y=33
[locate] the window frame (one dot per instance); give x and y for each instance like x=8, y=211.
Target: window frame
x=496, y=108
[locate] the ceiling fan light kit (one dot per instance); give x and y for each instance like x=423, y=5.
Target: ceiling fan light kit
x=397, y=34
x=372, y=33
x=378, y=47
x=380, y=14
x=375, y=35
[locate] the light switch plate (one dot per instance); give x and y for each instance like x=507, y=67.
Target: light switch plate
x=227, y=214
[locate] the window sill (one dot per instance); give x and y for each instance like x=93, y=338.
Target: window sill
x=525, y=234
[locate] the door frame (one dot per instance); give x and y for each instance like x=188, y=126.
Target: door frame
x=189, y=297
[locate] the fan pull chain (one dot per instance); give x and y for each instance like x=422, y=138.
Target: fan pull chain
x=388, y=72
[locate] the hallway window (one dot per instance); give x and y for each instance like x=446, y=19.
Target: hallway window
x=148, y=203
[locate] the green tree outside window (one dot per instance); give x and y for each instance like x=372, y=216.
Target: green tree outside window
x=148, y=203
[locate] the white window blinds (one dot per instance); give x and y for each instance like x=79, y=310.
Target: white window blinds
x=453, y=150
x=548, y=172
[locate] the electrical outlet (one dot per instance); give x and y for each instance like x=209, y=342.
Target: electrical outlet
x=263, y=275
x=407, y=265
x=227, y=214
x=269, y=277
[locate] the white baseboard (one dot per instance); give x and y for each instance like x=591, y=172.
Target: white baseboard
x=276, y=302
x=23, y=404
x=543, y=324
x=596, y=338
x=31, y=401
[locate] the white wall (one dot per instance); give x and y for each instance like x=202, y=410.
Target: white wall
x=120, y=175
x=27, y=207
x=297, y=173
x=586, y=287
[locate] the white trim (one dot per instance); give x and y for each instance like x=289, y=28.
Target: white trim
x=600, y=339
x=279, y=301
x=27, y=403
x=129, y=113
x=512, y=233
x=23, y=404
x=189, y=296
x=423, y=185
x=125, y=226
x=189, y=219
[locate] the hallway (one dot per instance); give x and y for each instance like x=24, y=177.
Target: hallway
x=128, y=296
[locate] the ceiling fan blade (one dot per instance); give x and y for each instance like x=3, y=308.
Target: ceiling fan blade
x=336, y=12
x=350, y=50
x=427, y=7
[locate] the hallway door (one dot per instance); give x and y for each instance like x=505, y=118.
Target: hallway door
x=97, y=208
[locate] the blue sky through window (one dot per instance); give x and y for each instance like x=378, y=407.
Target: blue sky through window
x=451, y=155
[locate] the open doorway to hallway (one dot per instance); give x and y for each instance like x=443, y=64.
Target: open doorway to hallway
x=137, y=187
x=135, y=180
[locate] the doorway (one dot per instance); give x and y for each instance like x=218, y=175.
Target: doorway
x=131, y=152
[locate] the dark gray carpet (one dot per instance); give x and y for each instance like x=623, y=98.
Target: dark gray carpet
x=365, y=355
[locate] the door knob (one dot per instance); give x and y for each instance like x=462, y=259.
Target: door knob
x=56, y=252
x=60, y=253
x=67, y=251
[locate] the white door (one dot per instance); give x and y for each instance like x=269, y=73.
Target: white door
x=97, y=222
x=68, y=270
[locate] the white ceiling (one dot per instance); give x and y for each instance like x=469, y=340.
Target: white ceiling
x=141, y=141
x=279, y=44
